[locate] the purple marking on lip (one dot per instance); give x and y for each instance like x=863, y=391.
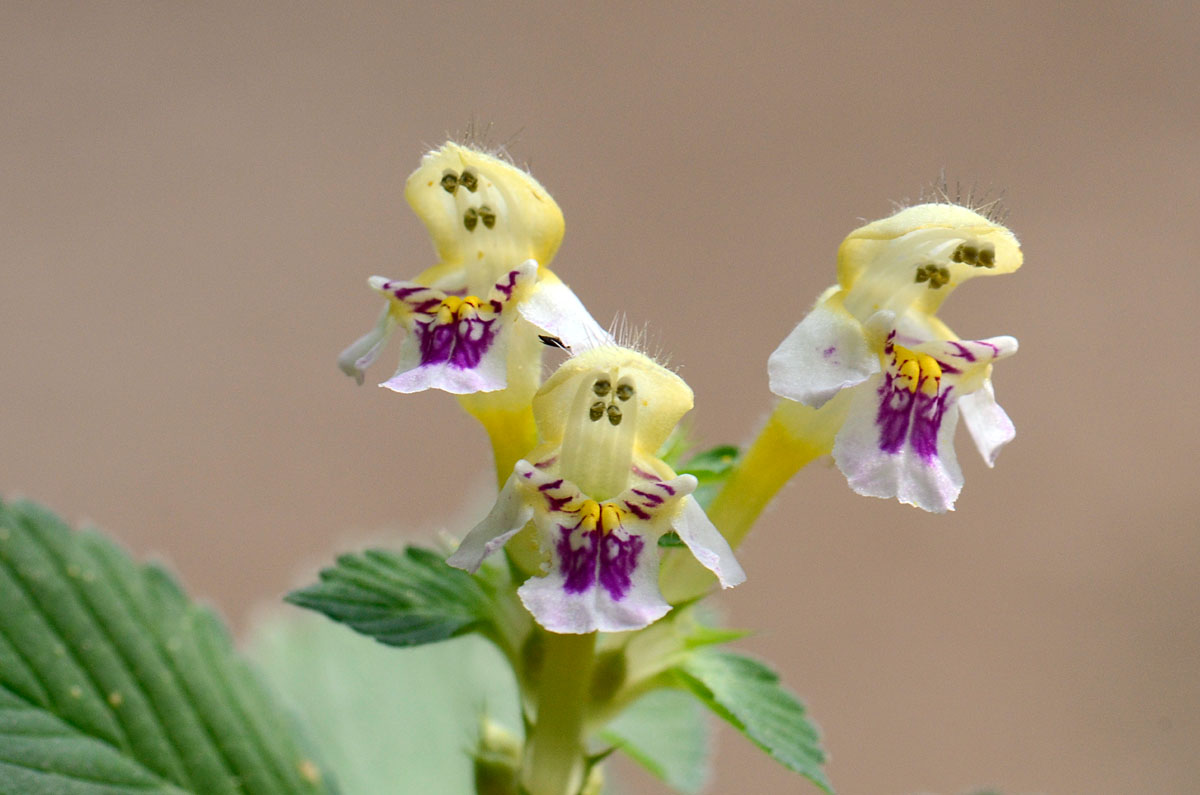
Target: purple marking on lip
x=547, y=463
x=608, y=554
x=551, y=485
x=830, y=351
x=669, y=489
x=895, y=411
x=461, y=345
x=618, y=559
x=578, y=563
x=912, y=417
x=927, y=421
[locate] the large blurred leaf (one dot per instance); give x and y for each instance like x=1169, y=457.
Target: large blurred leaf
x=389, y=721
x=667, y=733
x=112, y=681
x=748, y=694
x=403, y=598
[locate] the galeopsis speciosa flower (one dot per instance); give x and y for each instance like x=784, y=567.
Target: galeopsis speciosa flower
x=877, y=334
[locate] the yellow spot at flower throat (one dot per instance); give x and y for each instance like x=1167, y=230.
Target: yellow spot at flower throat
x=454, y=307
x=917, y=370
x=604, y=515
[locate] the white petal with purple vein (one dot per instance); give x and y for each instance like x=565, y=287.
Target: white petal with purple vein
x=931, y=483
x=825, y=353
x=594, y=608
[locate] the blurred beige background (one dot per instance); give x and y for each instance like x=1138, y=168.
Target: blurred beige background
x=193, y=197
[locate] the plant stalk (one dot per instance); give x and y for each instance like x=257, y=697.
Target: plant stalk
x=554, y=761
x=793, y=436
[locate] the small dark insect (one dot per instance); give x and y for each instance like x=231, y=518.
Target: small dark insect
x=553, y=342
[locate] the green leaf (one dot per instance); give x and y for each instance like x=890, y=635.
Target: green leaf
x=670, y=539
x=712, y=463
x=112, y=681
x=747, y=694
x=665, y=731
x=403, y=598
x=389, y=721
x=704, y=635
x=711, y=468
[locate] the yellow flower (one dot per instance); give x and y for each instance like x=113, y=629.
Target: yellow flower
x=473, y=319
x=876, y=331
x=600, y=498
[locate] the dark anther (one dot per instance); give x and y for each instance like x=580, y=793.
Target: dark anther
x=553, y=342
x=450, y=182
x=470, y=218
x=487, y=216
x=597, y=410
x=987, y=257
x=601, y=387
x=469, y=181
x=624, y=391
x=957, y=256
x=936, y=276
x=969, y=253
x=614, y=415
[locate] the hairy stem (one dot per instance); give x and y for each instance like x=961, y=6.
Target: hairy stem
x=554, y=752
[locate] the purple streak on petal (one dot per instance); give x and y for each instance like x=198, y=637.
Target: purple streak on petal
x=668, y=488
x=547, y=463
x=654, y=499
x=927, y=421
x=830, y=351
x=948, y=368
x=507, y=285
x=426, y=307
x=578, y=563
x=644, y=475
x=636, y=510
x=895, y=411
x=618, y=558
x=497, y=306
x=529, y=474
x=404, y=292
x=555, y=503
x=963, y=351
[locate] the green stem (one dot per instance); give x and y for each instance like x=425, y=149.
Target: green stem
x=554, y=751
x=794, y=436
